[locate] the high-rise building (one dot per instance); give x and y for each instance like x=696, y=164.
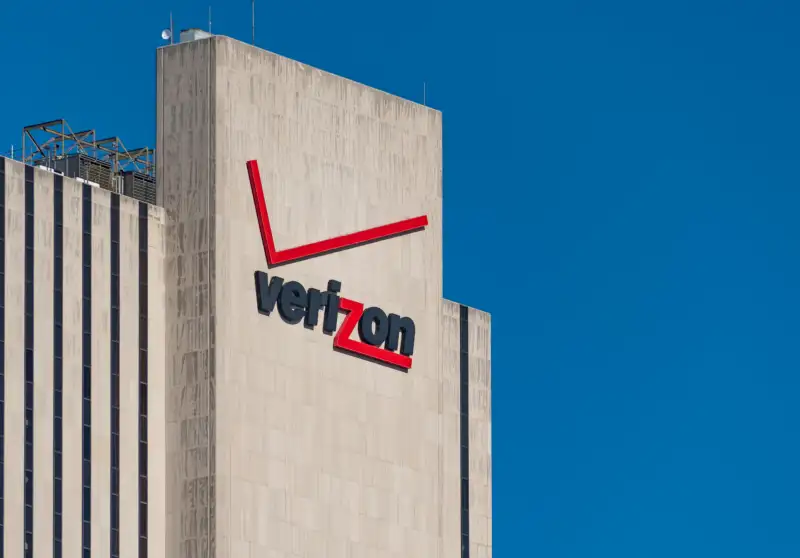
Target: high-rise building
x=261, y=363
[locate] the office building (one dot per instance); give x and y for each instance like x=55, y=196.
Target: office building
x=250, y=356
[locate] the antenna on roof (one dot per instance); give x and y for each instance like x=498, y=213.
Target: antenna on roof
x=253, y=3
x=209, y=19
x=425, y=93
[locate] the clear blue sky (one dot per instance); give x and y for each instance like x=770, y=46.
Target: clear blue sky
x=624, y=175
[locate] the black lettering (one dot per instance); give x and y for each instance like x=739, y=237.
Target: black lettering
x=293, y=302
x=267, y=292
x=376, y=336
x=316, y=301
x=331, y=313
x=396, y=325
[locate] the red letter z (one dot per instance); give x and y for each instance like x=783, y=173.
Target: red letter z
x=342, y=338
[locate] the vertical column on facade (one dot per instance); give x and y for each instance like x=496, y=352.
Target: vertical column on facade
x=480, y=367
x=101, y=373
x=2, y=349
x=115, y=375
x=71, y=503
x=129, y=379
x=44, y=349
x=156, y=408
x=28, y=340
x=190, y=365
x=86, y=536
x=143, y=314
x=58, y=362
x=464, y=407
x=14, y=364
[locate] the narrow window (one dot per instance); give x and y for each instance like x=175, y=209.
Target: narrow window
x=28, y=363
x=2, y=346
x=87, y=371
x=115, y=320
x=464, y=412
x=58, y=363
x=143, y=379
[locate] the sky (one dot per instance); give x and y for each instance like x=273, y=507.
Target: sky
x=621, y=193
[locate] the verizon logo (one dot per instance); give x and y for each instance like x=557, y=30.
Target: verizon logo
x=380, y=334
x=385, y=338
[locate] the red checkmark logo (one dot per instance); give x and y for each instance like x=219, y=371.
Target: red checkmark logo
x=278, y=257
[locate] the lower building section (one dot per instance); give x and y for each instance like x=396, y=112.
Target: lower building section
x=76, y=265
x=466, y=370
x=476, y=366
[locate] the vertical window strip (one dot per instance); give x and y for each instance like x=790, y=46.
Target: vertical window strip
x=58, y=363
x=2, y=347
x=464, y=412
x=28, y=363
x=86, y=535
x=115, y=323
x=143, y=301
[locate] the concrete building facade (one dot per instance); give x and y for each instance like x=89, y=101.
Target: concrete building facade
x=212, y=426
x=82, y=375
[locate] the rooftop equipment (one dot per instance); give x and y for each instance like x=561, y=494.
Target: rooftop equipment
x=105, y=162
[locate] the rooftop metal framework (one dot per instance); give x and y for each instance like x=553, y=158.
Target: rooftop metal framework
x=48, y=142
